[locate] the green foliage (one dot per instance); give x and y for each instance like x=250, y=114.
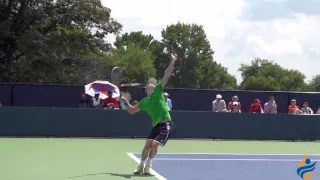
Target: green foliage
x=43, y=41
x=314, y=85
x=196, y=67
x=135, y=39
x=64, y=42
x=266, y=75
x=215, y=76
x=147, y=43
x=137, y=62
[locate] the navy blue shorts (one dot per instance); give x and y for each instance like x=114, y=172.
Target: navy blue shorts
x=162, y=132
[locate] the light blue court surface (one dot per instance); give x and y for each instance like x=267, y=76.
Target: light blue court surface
x=231, y=166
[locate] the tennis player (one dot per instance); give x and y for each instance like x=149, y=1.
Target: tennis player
x=155, y=105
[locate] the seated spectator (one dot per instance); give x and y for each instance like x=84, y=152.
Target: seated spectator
x=270, y=107
x=234, y=106
x=84, y=101
x=306, y=109
x=256, y=107
x=293, y=108
x=219, y=105
x=96, y=102
x=168, y=101
x=110, y=102
x=125, y=93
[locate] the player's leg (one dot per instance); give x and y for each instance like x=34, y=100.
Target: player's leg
x=145, y=151
x=164, y=133
x=152, y=154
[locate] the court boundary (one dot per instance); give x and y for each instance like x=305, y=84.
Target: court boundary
x=157, y=175
x=215, y=159
x=238, y=154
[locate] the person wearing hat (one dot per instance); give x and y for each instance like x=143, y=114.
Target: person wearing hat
x=168, y=101
x=293, y=108
x=256, y=107
x=235, y=105
x=110, y=102
x=155, y=105
x=219, y=105
x=306, y=109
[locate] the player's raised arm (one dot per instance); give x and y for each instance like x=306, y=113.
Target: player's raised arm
x=168, y=71
x=131, y=109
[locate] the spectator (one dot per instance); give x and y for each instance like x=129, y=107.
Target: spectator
x=96, y=102
x=110, y=102
x=234, y=106
x=270, y=107
x=219, y=105
x=306, y=109
x=168, y=101
x=125, y=93
x=293, y=108
x=0, y=105
x=256, y=107
x=84, y=101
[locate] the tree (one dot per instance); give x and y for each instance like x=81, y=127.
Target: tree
x=215, y=76
x=91, y=67
x=148, y=43
x=136, y=38
x=195, y=68
x=314, y=85
x=43, y=40
x=265, y=75
x=137, y=62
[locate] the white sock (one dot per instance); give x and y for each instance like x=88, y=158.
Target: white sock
x=142, y=162
x=149, y=161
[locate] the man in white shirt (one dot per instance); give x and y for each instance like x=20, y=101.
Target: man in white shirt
x=270, y=107
x=125, y=93
x=219, y=105
x=168, y=101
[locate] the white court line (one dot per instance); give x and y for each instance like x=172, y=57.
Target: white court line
x=242, y=154
x=272, y=160
x=157, y=175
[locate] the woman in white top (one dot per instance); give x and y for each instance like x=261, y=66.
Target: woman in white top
x=96, y=102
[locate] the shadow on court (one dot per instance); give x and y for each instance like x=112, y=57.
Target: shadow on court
x=127, y=176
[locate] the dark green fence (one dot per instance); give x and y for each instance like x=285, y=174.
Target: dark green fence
x=67, y=96
x=106, y=123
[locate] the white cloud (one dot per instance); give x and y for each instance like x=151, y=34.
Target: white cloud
x=291, y=42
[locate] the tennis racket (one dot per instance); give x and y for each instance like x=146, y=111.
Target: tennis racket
x=116, y=76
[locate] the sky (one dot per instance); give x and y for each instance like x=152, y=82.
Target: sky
x=284, y=31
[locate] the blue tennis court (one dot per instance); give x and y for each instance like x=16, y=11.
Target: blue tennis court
x=201, y=166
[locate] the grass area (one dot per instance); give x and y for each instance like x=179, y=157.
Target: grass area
x=106, y=159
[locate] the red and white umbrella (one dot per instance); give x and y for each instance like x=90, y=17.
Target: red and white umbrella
x=102, y=87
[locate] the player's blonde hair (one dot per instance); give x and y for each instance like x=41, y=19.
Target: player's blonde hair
x=152, y=81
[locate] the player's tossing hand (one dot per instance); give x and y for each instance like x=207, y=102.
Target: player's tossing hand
x=173, y=56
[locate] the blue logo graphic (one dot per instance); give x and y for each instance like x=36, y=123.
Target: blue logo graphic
x=306, y=168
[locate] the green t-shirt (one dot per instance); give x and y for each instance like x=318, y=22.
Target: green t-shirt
x=155, y=105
